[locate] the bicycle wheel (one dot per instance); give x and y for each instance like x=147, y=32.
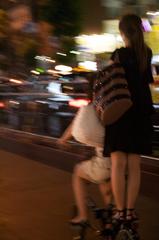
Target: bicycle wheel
x=124, y=234
x=79, y=233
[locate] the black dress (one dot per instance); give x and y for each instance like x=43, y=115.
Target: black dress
x=132, y=133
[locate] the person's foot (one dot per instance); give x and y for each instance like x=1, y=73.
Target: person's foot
x=118, y=219
x=78, y=220
x=119, y=215
x=131, y=214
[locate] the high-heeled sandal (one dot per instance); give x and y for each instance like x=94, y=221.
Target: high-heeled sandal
x=118, y=218
x=113, y=225
x=131, y=215
x=82, y=223
x=119, y=215
x=132, y=220
x=108, y=229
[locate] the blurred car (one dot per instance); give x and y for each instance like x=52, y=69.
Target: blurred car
x=44, y=103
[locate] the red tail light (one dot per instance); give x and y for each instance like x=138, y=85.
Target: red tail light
x=79, y=103
x=2, y=105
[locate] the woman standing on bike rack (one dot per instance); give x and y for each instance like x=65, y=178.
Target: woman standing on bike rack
x=130, y=136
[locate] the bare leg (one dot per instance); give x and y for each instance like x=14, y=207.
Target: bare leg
x=106, y=192
x=119, y=161
x=133, y=183
x=79, y=191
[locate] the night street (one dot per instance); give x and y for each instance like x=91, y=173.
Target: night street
x=36, y=198
x=79, y=80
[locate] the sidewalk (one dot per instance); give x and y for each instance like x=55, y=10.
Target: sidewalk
x=36, y=200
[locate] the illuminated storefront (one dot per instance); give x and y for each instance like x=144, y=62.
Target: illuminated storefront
x=152, y=37
x=92, y=47
x=106, y=42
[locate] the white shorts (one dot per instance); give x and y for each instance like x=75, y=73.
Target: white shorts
x=98, y=168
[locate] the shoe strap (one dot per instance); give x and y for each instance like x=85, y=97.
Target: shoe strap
x=120, y=214
x=130, y=209
x=131, y=214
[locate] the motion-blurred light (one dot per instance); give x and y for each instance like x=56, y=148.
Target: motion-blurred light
x=75, y=52
x=153, y=13
x=15, y=81
x=97, y=43
x=63, y=68
x=54, y=88
x=35, y=72
x=44, y=58
x=62, y=54
x=88, y=65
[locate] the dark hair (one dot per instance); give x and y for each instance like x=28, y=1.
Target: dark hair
x=91, y=79
x=131, y=26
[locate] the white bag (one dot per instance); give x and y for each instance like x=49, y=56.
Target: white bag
x=87, y=128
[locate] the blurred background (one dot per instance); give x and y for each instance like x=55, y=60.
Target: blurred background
x=50, y=48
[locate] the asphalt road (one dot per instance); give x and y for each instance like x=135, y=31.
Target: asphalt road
x=36, y=195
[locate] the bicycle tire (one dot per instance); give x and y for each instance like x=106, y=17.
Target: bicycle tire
x=79, y=233
x=124, y=234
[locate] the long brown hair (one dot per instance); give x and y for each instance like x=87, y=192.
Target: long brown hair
x=131, y=26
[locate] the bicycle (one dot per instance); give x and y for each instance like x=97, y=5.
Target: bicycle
x=103, y=216
x=128, y=231
x=124, y=231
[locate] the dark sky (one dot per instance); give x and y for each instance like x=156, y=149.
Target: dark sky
x=93, y=15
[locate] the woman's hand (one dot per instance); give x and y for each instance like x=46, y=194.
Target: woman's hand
x=61, y=141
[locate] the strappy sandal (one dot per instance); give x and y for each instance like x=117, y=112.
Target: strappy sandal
x=117, y=220
x=131, y=215
x=82, y=223
x=132, y=219
x=119, y=215
x=108, y=226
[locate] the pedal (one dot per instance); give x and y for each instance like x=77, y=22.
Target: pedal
x=99, y=212
x=79, y=232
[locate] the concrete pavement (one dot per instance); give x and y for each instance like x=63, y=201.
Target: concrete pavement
x=35, y=202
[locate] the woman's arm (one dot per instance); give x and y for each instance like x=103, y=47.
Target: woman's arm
x=66, y=135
